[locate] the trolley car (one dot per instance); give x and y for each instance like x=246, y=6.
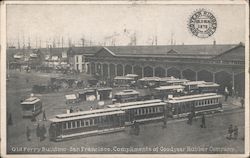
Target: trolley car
x=31, y=106
x=198, y=104
x=86, y=123
x=126, y=96
x=208, y=87
x=142, y=111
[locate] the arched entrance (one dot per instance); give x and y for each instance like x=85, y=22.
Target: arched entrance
x=138, y=71
x=189, y=74
x=112, y=70
x=174, y=72
x=119, y=70
x=160, y=72
x=128, y=69
x=224, y=79
x=148, y=71
x=205, y=75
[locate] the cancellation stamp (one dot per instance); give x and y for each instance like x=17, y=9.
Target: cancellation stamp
x=202, y=23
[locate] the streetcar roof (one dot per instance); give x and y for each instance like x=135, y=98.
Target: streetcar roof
x=31, y=100
x=124, y=92
x=167, y=78
x=85, y=116
x=193, y=83
x=150, y=79
x=208, y=84
x=177, y=80
x=104, y=89
x=170, y=87
x=134, y=103
x=194, y=96
x=143, y=105
x=194, y=99
x=122, y=78
x=80, y=113
x=131, y=75
x=70, y=97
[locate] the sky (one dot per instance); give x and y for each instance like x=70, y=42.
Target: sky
x=97, y=23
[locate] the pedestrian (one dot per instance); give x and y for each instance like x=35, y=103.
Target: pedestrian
x=203, y=121
x=236, y=94
x=43, y=132
x=38, y=131
x=9, y=121
x=44, y=116
x=164, y=123
x=28, y=133
x=190, y=119
x=230, y=132
x=33, y=119
x=226, y=93
x=242, y=102
x=71, y=109
x=235, y=132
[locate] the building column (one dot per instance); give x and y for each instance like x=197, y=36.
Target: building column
x=213, y=77
x=233, y=80
x=102, y=71
x=153, y=71
x=123, y=70
x=142, y=73
x=96, y=67
x=133, y=69
x=196, y=76
x=166, y=73
x=90, y=69
x=108, y=71
x=115, y=70
x=181, y=74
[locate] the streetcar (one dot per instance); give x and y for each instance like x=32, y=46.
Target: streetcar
x=191, y=87
x=31, y=106
x=126, y=96
x=177, y=81
x=164, y=92
x=198, y=104
x=141, y=111
x=86, y=123
x=208, y=87
x=122, y=81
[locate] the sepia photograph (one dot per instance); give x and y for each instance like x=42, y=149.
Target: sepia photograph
x=124, y=77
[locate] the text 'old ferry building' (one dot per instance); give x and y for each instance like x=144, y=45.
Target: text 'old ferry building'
x=220, y=63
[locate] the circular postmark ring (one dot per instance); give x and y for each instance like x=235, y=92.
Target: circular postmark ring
x=202, y=23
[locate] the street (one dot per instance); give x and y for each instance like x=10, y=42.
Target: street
x=177, y=137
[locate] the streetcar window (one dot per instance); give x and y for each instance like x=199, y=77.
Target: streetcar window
x=91, y=122
x=78, y=123
x=69, y=124
x=87, y=122
x=73, y=125
x=64, y=125
x=149, y=110
x=82, y=123
x=145, y=111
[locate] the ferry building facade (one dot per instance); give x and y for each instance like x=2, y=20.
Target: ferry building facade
x=223, y=64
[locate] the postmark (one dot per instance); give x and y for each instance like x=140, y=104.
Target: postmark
x=202, y=23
